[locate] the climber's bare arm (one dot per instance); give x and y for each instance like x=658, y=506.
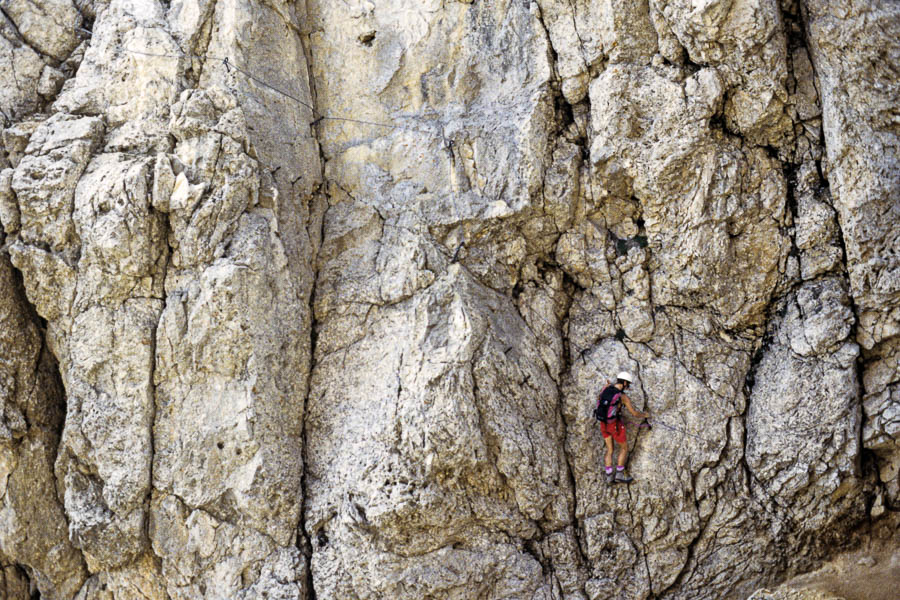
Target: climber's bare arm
x=634, y=413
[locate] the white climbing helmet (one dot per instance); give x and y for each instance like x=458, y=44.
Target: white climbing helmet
x=625, y=376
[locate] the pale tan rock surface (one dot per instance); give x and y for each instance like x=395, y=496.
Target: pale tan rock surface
x=858, y=77
x=870, y=573
x=142, y=223
x=315, y=299
x=32, y=521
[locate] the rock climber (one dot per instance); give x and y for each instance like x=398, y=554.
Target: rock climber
x=611, y=425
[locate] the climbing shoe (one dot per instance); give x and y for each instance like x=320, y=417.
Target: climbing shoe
x=611, y=477
x=621, y=477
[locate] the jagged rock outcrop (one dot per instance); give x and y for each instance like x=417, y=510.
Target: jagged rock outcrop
x=313, y=299
x=142, y=223
x=33, y=529
x=857, y=74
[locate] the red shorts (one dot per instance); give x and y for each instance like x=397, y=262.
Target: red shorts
x=616, y=429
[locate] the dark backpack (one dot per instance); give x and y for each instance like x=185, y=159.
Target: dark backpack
x=607, y=408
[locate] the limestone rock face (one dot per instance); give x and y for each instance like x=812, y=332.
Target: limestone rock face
x=315, y=299
x=857, y=77
x=803, y=439
x=32, y=520
x=141, y=224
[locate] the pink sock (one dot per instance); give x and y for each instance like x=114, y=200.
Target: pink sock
x=608, y=470
x=620, y=468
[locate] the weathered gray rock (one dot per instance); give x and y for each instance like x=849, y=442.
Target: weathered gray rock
x=45, y=178
x=227, y=256
x=744, y=42
x=127, y=252
x=853, y=52
x=16, y=137
x=804, y=420
x=9, y=209
x=331, y=315
x=39, y=50
x=881, y=409
x=140, y=580
x=32, y=522
x=20, y=73
x=74, y=224
x=721, y=225
x=48, y=26
x=468, y=450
